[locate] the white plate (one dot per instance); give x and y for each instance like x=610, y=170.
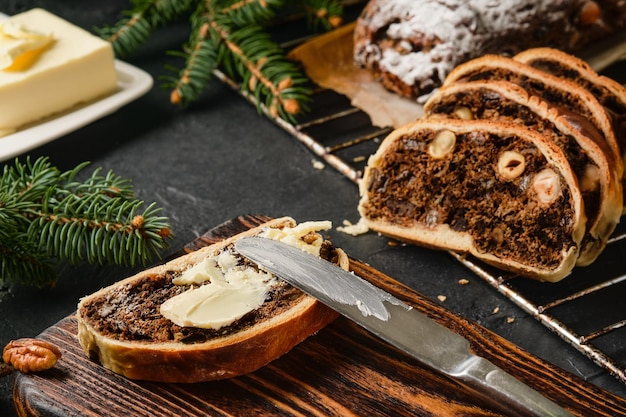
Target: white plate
x=132, y=83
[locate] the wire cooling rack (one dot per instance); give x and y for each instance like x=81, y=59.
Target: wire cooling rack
x=586, y=309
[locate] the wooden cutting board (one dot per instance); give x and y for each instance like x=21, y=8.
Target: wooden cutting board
x=340, y=371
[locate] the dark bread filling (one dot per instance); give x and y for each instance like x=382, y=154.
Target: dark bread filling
x=368, y=52
x=413, y=190
x=489, y=104
x=555, y=68
x=131, y=312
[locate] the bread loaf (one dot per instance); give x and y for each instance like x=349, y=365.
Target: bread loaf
x=411, y=46
x=497, y=190
x=582, y=144
x=135, y=327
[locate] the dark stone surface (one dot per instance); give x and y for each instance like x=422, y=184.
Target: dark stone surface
x=218, y=159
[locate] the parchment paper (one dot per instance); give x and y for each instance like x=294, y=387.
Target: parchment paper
x=328, y=61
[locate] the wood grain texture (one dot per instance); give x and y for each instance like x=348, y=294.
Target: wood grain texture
x=341, y=371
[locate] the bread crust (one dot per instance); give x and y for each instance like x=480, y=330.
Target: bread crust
x=610, y=93
x=218, y=358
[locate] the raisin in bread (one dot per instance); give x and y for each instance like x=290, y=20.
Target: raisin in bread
x=125, y=328
x=497, y=190
x=582, y=144
x=412, y=45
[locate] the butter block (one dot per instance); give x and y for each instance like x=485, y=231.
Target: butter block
x=76, y=67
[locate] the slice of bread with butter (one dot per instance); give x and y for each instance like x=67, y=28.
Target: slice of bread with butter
x=208, y=315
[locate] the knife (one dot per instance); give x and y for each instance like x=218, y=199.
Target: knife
x=382, y=314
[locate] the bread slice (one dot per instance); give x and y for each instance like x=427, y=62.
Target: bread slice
x=122, y=327
x=558, y=91
x=583, y=145
x=497, y=190
x=610, y=93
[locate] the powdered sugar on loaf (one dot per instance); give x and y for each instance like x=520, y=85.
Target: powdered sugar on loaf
x=412, y=45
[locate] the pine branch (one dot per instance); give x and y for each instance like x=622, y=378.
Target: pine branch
x=251, y=12
x=47, y=215
x=200, y=56
x=265, y=71
x=20, y=260
x=128, y=33
x=140, y=22
x=230, y=35
x=116, y=232
x=323, y=14
x=25, y=266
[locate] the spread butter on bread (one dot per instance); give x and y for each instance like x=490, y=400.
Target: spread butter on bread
x=207, y=315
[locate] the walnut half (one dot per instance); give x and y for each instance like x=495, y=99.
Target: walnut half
x=30, y=355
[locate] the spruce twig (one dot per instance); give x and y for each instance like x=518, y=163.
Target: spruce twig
x=230, y=35
x=47, y=215
x=140, y=22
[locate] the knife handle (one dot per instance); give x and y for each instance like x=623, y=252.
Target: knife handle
x=505, y=391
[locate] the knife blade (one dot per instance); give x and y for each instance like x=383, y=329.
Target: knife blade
x=394, y=321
